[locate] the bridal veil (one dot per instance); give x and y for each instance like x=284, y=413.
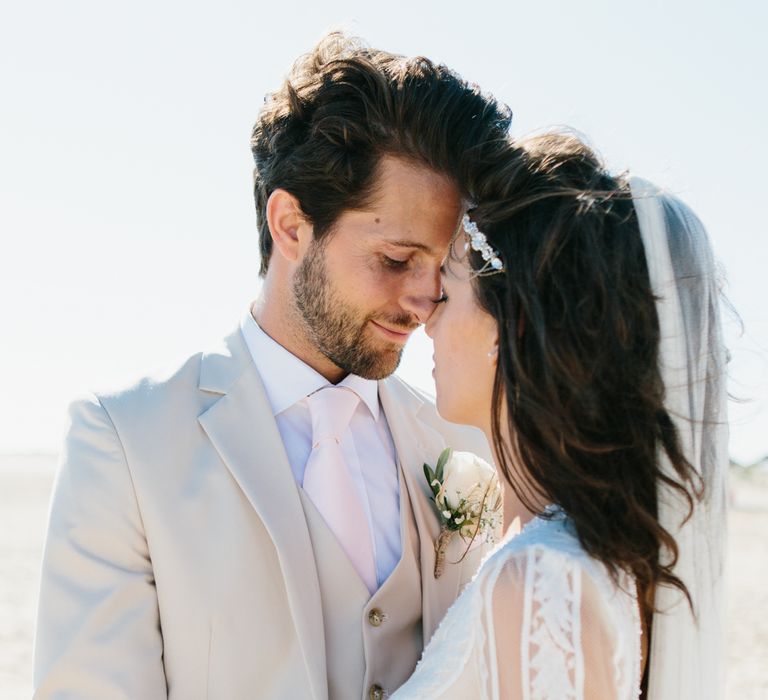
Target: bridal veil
x=687, y=653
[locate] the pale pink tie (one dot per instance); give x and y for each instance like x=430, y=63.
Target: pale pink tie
x=328, y=482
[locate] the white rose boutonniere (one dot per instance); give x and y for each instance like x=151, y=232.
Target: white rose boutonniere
x=467, y=495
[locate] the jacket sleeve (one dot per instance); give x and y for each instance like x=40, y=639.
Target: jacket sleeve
x=98, y=628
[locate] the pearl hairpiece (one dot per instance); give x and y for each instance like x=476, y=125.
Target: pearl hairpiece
x=478, y=242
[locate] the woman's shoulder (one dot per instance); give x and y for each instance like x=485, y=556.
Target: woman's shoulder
x=547, y=552
x=549, y=535
x=562, y=608
x=546, y=568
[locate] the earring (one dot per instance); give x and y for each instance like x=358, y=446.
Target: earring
x=494, y=352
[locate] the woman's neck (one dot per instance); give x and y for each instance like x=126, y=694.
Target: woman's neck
x=516, y=514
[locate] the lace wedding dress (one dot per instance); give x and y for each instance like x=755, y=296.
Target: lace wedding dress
x=541, y=620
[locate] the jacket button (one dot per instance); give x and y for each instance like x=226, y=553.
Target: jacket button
x=376, y=617
x=376, y=693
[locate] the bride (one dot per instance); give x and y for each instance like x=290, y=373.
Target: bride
x=579, y=328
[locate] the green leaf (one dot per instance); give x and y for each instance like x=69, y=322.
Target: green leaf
x=430, y=476
x=442, y=460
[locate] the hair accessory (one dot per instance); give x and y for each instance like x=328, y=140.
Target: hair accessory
x=479, y=243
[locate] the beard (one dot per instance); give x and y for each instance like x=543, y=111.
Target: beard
x=336, y=328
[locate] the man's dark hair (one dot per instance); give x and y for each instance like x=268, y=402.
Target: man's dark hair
x=343, y=106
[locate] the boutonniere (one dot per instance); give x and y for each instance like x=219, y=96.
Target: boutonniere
x=467, y=495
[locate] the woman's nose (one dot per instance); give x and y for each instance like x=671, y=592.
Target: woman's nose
x=420, y=300
x=431, y=323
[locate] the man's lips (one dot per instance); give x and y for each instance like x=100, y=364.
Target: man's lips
x=396, y=335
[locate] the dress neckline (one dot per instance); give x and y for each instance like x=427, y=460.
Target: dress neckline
x=549, y=513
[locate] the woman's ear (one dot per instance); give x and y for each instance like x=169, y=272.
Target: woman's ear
x=493, y=353
x=287, y=224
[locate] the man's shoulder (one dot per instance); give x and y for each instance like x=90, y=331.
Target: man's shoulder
x=168, y=375
x=189, y=381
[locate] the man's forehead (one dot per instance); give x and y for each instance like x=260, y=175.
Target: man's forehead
x=397, y=228
x=417, y=245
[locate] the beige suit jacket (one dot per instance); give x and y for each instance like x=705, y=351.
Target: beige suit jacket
x=178, y=561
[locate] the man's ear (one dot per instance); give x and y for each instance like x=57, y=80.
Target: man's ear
x=287, y=225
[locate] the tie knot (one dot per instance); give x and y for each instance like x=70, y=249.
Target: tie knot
x=331, y=409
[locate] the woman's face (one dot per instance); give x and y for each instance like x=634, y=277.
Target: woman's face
x=466, y=347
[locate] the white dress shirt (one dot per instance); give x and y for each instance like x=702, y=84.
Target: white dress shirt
x=371, y=458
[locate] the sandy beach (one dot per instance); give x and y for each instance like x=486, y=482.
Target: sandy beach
x=25, y=484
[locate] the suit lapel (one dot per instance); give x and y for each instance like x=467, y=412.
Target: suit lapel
x=242, y=428
x=417, y=442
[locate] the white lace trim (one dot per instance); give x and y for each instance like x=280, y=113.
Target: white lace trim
x=551, y=659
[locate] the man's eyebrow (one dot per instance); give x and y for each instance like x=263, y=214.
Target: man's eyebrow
x=411, y=244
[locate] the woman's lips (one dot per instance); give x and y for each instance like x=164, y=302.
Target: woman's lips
x=397, y=336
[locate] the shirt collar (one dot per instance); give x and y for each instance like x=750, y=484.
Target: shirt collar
x=287, y=379
x=366, y=389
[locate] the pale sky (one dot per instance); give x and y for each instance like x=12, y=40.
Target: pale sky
x=127, y=223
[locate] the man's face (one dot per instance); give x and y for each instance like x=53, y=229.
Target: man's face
x=363, y=289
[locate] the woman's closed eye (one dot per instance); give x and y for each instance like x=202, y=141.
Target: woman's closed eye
x=443, y=298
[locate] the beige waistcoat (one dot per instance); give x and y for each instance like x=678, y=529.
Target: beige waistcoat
x=370, y=641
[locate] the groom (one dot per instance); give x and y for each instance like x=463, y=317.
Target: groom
x=256, y=523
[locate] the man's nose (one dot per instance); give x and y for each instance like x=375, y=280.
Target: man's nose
x=420, y=300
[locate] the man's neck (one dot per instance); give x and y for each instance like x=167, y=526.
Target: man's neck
x=274, y=317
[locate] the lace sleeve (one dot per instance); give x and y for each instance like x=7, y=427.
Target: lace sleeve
x=552, y=630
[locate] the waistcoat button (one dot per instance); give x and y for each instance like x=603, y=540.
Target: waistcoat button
x=376, y=693
x=376, y=617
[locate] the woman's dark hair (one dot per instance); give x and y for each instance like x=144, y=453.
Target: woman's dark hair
x=343, y=106
x=578, y=376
